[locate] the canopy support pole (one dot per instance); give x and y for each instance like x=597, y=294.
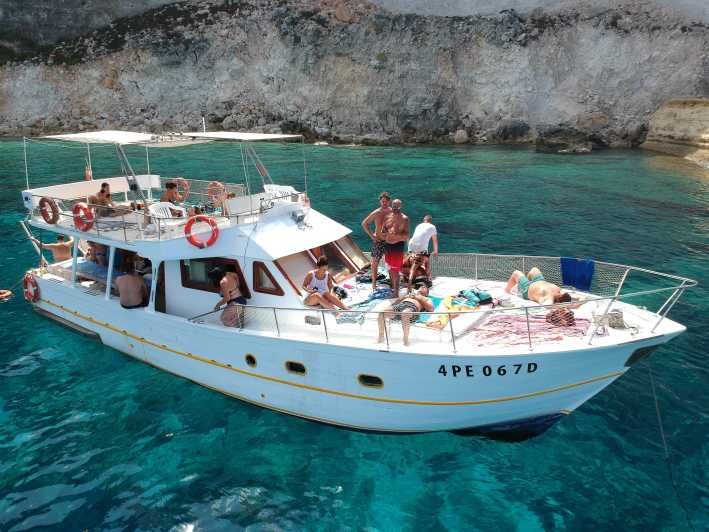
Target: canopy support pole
x=130, y=174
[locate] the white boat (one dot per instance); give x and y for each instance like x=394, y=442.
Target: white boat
x=500, y=371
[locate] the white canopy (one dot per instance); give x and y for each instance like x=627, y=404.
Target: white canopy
x=166, y=139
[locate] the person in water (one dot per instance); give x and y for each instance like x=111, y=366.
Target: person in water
x=377, y=216
x=395, y=232
x=318, y=285
x=402, y=309
x=534, y=287
x=230, y=290
x=131, y=286
x=61, y=249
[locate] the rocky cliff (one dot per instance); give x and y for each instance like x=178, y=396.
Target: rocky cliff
x=354, y=71
x=681, y=127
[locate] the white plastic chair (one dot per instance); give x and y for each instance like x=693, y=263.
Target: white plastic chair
x=163, y=210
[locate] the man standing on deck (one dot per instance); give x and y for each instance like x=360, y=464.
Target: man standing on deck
x=418, y=257
x=395, y=232
x=377, y=216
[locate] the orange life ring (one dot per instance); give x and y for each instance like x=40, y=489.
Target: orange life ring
x=5, y=294
x=196, y=242
x=49, y=210
x=30, y=288
x=83, y=217
x=182, y=182
x=215, y=190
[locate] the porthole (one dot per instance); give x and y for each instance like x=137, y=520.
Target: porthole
x=296, y=367
x=371, y=381
x=250, y=360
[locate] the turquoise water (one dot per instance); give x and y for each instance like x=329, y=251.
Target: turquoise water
x=90, y=439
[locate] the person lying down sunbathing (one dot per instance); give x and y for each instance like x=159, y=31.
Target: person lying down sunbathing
x=534, y=287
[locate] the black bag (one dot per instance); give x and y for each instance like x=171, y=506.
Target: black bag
x=339, y=292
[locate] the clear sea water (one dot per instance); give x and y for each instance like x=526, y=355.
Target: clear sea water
x=93, y=440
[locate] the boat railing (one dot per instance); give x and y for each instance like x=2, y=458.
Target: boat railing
x=521, y=325
x=129, y=222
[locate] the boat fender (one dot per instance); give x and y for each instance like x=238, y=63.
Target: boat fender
x=49, y=210
x=30, y=288
x=83, y=217
x=192, y=239
x=215, y=190
x=181, y=182
x=5, y=294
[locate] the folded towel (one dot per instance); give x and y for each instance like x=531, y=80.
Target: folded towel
x=577, y=272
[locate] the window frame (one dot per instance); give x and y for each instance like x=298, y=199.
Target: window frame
x=261, y=266
x=209, y=287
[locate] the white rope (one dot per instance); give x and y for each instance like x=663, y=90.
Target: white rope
x=27, y=173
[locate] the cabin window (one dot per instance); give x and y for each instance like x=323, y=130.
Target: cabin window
x=264, y=281
x=295, y=367
x=353, y=252
x=250, y=360
x=338, y=263
x=295, y=267
x=195, y=274
x=370, y=381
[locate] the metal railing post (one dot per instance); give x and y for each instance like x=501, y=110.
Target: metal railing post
x=529, y=332
x=450, y=322
x=327, y=338
x=476, y=267
x=622, y=282
x=275, y=318
x=125, y=235
x=679, y=292
x=386, y=331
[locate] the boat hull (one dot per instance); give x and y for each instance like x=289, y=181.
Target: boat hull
x=505, y=396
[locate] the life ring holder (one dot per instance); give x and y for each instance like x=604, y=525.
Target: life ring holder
x=49, y=210
x=182, y=182
x=215, y=189
x=30, y=288
x=192, y=239
x=83, y=217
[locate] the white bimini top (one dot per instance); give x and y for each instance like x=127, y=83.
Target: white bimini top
x=421, y=237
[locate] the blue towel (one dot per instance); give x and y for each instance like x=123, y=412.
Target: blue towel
x=577, y=272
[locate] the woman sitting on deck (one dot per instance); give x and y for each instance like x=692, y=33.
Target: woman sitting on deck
x=318, y=286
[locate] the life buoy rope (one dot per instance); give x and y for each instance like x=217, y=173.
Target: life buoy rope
x=30, y=288
x=83, y=217
x=196, y=242
x=49, y=210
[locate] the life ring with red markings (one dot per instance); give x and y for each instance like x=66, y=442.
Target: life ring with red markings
x=49, y=210
x=83, y=217
x=30, y=288
x=182, y=182
x=196, y=242
x=215, y=190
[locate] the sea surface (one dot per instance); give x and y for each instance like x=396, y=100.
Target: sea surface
x=92, y=440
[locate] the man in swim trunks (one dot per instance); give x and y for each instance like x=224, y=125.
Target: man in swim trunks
x=401, y=310
x=62, y=249
x=534, y=288
x=395, y=231
x=377, y=216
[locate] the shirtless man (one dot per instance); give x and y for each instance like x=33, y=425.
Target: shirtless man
x=402, y=308
x=171, y=193
x=535, y=288
x=377, y=216
x=230, y=290
x=62, y=249
x=395, y=233
x=131, y=287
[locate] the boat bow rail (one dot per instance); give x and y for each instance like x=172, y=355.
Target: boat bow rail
x=615, y=286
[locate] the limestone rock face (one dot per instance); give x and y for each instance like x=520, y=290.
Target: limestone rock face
x=562, y=139
x=681, y=127
x=347, y=69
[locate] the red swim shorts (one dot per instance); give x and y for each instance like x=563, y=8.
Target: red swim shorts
x=394, y=256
